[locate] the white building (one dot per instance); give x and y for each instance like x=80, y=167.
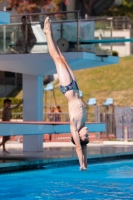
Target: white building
x=123, y=48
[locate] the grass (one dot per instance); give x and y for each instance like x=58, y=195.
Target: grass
x=115, y=81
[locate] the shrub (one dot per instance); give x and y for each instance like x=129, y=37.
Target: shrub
x=115, y=53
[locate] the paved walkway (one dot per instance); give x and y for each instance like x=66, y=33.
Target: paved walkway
x=59, y=151
x=54, y=148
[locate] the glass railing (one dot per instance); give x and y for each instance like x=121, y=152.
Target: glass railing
x=25, y=33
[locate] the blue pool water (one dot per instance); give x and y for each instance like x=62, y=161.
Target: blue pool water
x=111, y=181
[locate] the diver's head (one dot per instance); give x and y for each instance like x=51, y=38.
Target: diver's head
x=84, y=134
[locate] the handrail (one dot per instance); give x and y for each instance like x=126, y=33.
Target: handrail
x=53, y=22
x=98, y=19
x=46, y=13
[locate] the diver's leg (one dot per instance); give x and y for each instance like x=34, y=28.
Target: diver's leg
x=62, y=70
x=84, y=153
x=1, y=144
x=68, y=67
x=76, y=139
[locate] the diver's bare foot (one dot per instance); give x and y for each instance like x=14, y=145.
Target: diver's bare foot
x=47, y=26
x=83, y=169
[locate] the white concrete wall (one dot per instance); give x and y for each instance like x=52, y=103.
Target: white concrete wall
x=123, y=50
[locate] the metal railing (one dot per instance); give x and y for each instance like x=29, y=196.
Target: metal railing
x=57, y=117
x=118, y=127
x=118, y=23
x=14, y=40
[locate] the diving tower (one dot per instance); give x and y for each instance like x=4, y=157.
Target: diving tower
x=41, y=64
x=34, y=66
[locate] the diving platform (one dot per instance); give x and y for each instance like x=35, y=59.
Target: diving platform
x=33, y=131
x=42, y=64
x=35, y=128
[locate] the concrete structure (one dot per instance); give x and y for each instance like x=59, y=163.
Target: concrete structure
x=34, y=67
x=36, y=128
x=123, y=48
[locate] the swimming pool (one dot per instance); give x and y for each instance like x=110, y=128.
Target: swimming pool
x=110, y=180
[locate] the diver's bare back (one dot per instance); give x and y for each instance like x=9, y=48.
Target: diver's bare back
x=77, y=111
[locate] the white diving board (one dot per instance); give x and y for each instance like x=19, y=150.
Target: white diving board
x=94, y=41
x=106, y=41
x=39, y=128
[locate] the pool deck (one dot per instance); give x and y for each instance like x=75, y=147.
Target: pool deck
x=55, y=152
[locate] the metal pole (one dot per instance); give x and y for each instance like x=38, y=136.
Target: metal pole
x=26, y=35
x=15, y=79
x=107, y=121
x=78, y=31
x=97, y=119
x=4, y=34
x=125, y=134
x=45, y=104
x=54, y=98
x=111, y=29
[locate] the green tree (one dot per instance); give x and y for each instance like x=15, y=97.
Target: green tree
x=126, y=9
x=30, y=6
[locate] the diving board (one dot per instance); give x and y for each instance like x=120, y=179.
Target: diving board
x=93, y=41
x=39, y=128
x=102, y=41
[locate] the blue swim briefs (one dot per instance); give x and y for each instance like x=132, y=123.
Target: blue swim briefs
x=72, y=86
